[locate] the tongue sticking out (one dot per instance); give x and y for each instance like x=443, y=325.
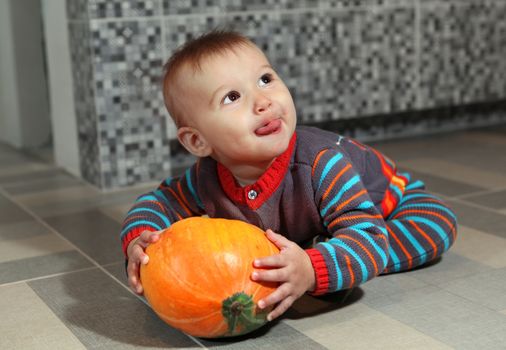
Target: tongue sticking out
x=269, y=128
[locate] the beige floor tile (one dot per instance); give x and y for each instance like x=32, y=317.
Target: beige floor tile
x=456, y=172
x=359, y=327
x=31, y=247
x=27, y=323
x=57, y=195
x=481, y=247
x=117, y=212
x=23, y=168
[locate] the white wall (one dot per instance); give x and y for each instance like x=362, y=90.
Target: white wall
x=64, y=126
x=10, y=128
x=24, y=110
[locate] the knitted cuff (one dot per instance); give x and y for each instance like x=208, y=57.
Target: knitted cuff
x=133, y=234
x=320, y=270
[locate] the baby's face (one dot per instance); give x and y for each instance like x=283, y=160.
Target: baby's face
x=240, y=105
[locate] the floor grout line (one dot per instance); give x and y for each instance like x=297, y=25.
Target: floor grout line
x=478, y=193
x=90, y=259
x=46, y=276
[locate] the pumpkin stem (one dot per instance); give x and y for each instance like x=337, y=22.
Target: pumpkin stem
x=239, y=312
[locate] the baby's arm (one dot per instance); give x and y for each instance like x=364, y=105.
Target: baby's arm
x=358, y=247
x=173, y=200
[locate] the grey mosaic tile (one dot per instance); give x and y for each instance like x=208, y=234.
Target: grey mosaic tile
x=124, y=8
x=77, y=9
x=462, y=53
x=179, y=7
x=131, y=115
x=337, y=64
x=84, y=93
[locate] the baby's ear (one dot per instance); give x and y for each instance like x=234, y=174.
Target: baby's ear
x=193, y=141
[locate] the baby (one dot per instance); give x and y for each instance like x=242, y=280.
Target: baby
x=339, y=211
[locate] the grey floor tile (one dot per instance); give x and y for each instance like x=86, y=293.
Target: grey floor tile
x=392, y=284
x=494, y=200
x=43, y=174
x=118, y=270
x=96, y=234
x=448, y=318
x=10, y=212
x=38, y=184
x=103, y=315
x=277, y=335
x=19, y=270
x=27, y=322
x=22, y=229
x=440, y=185
x=75, y=203
x=360, y=327
x=450, y=267
x=487, y=289
x=481, y=219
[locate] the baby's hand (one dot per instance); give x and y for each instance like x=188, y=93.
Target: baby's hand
x=137, y=256
x=292, y=268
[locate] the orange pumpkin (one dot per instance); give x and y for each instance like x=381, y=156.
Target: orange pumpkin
x=198, y=277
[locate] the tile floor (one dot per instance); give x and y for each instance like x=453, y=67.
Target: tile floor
x=62, y=282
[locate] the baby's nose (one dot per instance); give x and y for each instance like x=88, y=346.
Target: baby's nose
x=262, y=103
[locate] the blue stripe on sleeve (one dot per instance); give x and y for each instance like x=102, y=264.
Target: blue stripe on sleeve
x=412, y=240
x=417, y=195
x=428, y=205
x=353, y=181
x=434, y=226
x=329, y=166
x=332, y=253
x=415, y=185
x=192, y=189
x=394, y=258
x=163, y=217
x=343, y=245
x=359, y=228
x=139, y=223
x=365, y=205
x=148, y=197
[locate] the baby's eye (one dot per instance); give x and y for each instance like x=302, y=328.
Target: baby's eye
x=231, y=97
x=265, y=79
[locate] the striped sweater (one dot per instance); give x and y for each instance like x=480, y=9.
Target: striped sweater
x=328, y=193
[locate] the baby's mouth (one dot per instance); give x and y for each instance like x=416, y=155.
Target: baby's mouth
x=270, y=128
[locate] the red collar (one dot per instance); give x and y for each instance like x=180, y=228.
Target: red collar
x=256, y=194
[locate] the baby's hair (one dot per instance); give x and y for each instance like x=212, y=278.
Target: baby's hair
x=192, y=54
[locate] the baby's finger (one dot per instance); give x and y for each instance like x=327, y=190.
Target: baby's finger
x=270, y=261
x=133, y=277
x=280, y=309
x=279, y=240
x=274, y=275
x=275, y=297
x=148, y=237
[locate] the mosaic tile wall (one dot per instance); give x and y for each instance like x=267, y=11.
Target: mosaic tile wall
x=351, y=61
